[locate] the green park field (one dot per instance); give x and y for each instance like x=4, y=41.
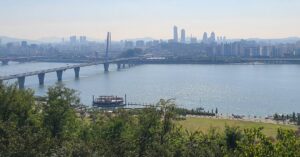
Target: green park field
x=204, y=124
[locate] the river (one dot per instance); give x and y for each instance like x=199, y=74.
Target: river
x=240, y=89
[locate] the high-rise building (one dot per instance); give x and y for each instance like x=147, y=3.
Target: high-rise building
x=155, y=42
x=193, y=40
x=204, y=39
x=212, y=37
x=82, y=39
x=140, y=44
x=175, y=34
x=24, y=43
x=149, y=44
x=182, y=36
x=73, y=39
x=128, y=44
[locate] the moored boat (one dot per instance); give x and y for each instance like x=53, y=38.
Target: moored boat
x=108, y=101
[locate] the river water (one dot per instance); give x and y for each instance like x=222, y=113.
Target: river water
x=240, y=89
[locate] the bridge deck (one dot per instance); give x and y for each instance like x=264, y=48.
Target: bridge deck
x=62, y=68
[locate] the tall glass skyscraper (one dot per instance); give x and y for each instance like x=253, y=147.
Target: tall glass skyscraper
x=175, y=34
x=182, y=39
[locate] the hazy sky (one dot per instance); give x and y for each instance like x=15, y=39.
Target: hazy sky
x=35, y=19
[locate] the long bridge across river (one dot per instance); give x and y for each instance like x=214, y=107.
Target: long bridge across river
x=121, y=63
x=4, y=61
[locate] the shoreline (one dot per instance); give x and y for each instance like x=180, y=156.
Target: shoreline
x=245, y=119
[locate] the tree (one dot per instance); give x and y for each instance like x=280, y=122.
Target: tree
x=255, y=143
x=16, y=105
x=294, y=118
x=147, y=132
x=167, y=108
x=59, y=116
x=21, y=133
x=232, y=136
x=287, y=144
x=276, y=116
x=298, y=119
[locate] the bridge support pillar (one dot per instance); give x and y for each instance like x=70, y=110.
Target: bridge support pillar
x=5, y=62
x=106, y=66
x=119, y=66
x=41, y=77
x=123, y=65
x=59, y=75
x=21, y=82
x=77, y=70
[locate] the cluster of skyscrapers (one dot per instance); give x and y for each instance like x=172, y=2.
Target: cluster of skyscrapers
x=205, y=38
x=82, y=40
x=175, y=35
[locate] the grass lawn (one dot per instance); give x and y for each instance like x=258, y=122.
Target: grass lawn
x=204, y=124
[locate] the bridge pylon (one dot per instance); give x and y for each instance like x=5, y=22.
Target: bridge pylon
x=77, y=70
x=41, y=77
x=119, y=66
x=59, y=75
x=108, y=41
x=106, y=67
x=21, y=82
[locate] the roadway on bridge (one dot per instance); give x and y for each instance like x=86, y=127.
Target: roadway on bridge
x=63, y=68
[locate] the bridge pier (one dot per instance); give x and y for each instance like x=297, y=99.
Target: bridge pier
x=77, y=70
x=119, y=66
x=21, y=82
x=123, y=66
x=106, y=66
x=5, y=62
x=41, y=77
x=59, y=75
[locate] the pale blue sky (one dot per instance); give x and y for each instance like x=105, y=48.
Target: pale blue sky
x=35, y=19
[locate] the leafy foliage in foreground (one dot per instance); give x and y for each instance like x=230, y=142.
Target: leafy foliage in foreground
x=28, y=128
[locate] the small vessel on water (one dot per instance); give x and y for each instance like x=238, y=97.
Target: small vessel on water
x=109, y=101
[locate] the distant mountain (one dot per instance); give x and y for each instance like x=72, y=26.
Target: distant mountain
x=278, y=40
x=51, y=39
x=271, y=41
x=145, y=39
x=66, y=39
x=5, y=39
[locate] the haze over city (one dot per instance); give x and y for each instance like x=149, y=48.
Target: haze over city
x=32, y=19
x=150, y=78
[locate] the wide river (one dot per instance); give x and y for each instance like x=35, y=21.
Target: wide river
x=239, y=89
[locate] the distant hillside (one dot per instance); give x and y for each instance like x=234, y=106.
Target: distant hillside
x=271, y=41
x=5, y=39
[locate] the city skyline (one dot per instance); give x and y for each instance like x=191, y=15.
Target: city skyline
x=138, y=19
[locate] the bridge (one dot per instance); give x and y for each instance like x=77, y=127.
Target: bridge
x=273, y=60
x=121, y=63
x=6, y=60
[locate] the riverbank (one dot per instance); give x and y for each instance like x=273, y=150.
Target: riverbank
x=204, y=124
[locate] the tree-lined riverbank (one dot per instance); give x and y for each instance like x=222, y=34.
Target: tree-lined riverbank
x=52, y=128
